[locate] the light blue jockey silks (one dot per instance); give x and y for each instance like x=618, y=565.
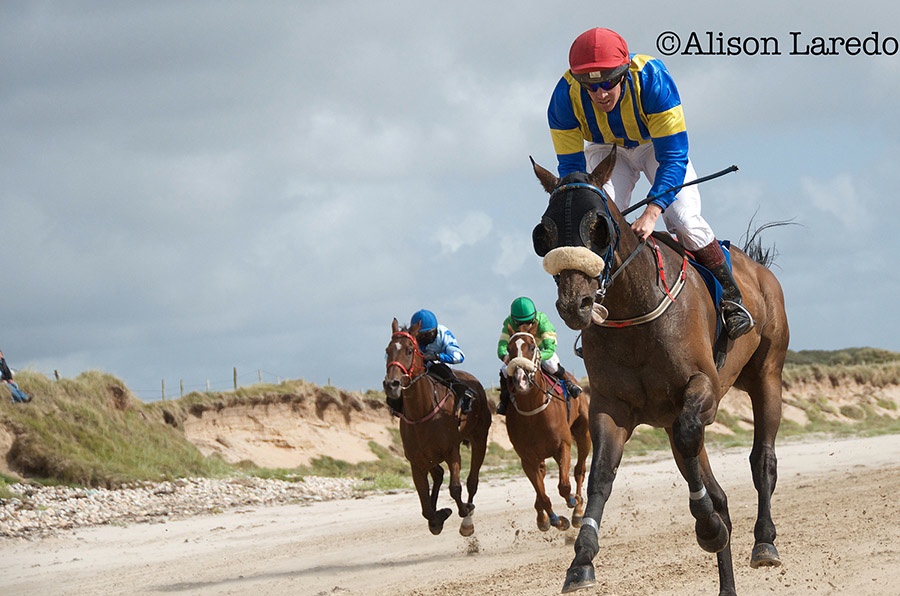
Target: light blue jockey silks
x=445, y=346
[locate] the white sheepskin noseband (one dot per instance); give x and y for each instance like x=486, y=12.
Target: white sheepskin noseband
x=579, y=258
x=520, y=362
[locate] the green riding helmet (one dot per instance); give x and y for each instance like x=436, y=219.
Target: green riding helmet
x=522, y=310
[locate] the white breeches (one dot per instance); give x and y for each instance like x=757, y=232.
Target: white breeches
x=682, y=217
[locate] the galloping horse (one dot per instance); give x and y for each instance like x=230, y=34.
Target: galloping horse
x=541, y=423
x=653, y=363
x=431, y=431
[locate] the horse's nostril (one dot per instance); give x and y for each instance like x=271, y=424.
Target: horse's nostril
x=587, y=302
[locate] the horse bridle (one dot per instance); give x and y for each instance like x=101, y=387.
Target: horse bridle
x=408, y=372
x=536, y=363
x=607, y=276
x=535, y=358
x=408, y=375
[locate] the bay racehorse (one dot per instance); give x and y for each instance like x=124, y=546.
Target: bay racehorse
x=648, y=328
x=542, y=423
x=431, y=430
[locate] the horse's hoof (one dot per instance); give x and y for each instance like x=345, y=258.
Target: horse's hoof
x=467, y=527
x=717, y=543
x=764, y=555
x=436, y=525
x=563, y=524
x=571, y=502
x=578, y=578
x=576, y=521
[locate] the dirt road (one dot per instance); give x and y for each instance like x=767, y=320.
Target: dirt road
x=836, y=508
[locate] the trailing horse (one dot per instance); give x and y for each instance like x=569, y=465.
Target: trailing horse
x=543, y=423
x=431, y=431
x=649, y=329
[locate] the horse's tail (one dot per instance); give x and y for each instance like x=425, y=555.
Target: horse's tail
x=765, y=256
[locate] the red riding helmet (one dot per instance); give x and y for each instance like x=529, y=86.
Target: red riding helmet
x=599, y=49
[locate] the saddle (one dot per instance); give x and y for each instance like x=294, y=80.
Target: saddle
x=558, y=389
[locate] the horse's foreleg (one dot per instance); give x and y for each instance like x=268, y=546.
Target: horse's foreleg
x=479, y=450
x=609, y=440
x=564, y=486
x=535, y=469
x=581, y=434
x=428, y=497
x=437, y=479
x=456, y=484
x=709, y=506
x=687, y=441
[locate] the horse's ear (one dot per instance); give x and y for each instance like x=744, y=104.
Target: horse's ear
x=395, y=326
x=509, y=329
x=546, y=177
x=414, y=330
x=604, y=169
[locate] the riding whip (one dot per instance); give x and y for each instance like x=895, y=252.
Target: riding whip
x=727, y=170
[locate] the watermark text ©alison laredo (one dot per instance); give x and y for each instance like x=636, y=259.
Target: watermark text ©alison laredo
x=795, y=43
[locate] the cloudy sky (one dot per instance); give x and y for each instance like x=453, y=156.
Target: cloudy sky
x=187, y=187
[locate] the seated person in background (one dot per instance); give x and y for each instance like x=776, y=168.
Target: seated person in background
x=6, y=376
x=523, y=312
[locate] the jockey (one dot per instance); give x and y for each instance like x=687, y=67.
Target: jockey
x=609, y=96
x=523, y=312
x=439, y=347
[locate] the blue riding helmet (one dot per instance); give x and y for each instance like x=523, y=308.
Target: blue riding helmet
x=426, y=319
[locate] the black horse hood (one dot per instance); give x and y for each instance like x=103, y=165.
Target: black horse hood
x=576, y=229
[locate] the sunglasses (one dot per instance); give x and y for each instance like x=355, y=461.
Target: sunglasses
x=605, y=85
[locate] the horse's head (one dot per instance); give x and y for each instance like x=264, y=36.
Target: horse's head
x=577, y=237
x=524, y=360
x=404, y=360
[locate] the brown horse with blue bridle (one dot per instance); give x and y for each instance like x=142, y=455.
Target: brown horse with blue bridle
x=432, y=431
x=649, y=333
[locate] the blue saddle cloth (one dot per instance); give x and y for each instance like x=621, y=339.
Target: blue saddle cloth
x=715, y=291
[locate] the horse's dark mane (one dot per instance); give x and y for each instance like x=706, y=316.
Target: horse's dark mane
x=752, y=243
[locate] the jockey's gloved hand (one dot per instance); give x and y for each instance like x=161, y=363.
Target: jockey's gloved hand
x=432, y=357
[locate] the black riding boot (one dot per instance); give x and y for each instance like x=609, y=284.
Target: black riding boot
x=464, y=396
x=738, y=320
x=504, y=396
x=573, y=389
